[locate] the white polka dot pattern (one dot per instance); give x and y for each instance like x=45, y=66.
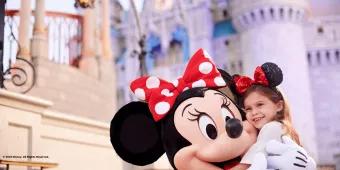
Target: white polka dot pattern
x=140, y=94
x=199, y=83
x=205, y=67
x=161, y=95
x=162, y=108
x=167, y=93
x=152, y=82
x=175, y=83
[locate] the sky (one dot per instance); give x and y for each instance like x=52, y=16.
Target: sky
x=67, y=5
x=51, y=5
x=126, y=4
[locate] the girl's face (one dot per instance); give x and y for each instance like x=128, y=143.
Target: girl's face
x=260, y=109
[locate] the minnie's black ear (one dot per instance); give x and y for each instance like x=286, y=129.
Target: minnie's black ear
x=226, y=76
x=273, y=73
x=229, y=90
x=135, y=135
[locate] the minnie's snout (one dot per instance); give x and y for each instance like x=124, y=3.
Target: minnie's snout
x=234, y=128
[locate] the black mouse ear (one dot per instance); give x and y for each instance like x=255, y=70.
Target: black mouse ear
x=135, y=135
x=229, y=90
x=273, y=73
x=226, y=76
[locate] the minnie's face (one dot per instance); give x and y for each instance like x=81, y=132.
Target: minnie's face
x=213, y=125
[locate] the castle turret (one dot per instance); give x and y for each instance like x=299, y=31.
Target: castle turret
x=271, y=30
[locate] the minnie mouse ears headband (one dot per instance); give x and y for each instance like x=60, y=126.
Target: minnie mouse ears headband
x=161, y=95
x=268, y=74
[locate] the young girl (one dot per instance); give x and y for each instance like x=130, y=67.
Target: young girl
x=265, y=109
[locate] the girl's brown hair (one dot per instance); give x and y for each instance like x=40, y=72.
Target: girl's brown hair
x=282, y=116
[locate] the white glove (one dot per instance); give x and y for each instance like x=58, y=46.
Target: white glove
x=259, y=162
x=288, y=156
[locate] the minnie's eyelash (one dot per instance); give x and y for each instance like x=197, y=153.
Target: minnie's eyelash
x=196, y=116
x=225, y=103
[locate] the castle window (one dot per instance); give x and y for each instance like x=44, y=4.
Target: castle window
x=233, y=67
x=225, y=13
x=290, y=12
x=262, y=13
x=318, y=57
x=226, y=42
x=320, y=30
x=271, y=10
x=309, y=57
x=281, y=12
x=297, y=14
x=175, y=53
x=252, y=16
x=240, y=64
x=327, y=56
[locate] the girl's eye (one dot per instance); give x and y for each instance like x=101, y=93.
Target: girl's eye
x=226, y=114
x=260, y=104
x=207, y=127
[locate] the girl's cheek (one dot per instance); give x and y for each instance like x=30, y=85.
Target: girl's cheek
x=248, y=117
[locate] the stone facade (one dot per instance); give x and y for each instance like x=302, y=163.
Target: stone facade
x=29, y=128
x=323, y=53
x=73, y=91
x=325, y=82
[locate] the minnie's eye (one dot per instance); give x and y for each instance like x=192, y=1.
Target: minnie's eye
x=207, y=127
x=226, y=114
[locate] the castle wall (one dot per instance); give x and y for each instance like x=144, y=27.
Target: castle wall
x=325, y=85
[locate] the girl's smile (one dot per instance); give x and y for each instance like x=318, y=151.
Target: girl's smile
x=260, y=109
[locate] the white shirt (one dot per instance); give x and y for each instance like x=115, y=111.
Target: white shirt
x=270, y=131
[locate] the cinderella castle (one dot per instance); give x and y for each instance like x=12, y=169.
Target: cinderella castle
x=301, y=36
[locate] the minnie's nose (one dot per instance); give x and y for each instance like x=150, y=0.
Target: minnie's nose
x=234, y=128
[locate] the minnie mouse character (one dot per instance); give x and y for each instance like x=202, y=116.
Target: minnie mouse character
x=190, y=120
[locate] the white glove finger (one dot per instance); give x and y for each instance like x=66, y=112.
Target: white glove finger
x=276, y=148
x=259, y=162
x=289, y=141
x=302, y=153
x=311, y=164
x=275, y=162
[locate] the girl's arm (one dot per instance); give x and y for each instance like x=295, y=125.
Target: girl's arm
x=240, y=167
x=270, y=131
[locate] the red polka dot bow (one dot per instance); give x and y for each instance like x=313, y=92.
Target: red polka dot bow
x=242, y=83
x=161, y=95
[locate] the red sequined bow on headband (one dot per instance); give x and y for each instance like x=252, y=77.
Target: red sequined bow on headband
x=242, y=83
x=161, y=95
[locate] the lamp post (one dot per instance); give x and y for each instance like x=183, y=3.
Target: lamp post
x=141, y=42
x=20, y=76
x=2, y=26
